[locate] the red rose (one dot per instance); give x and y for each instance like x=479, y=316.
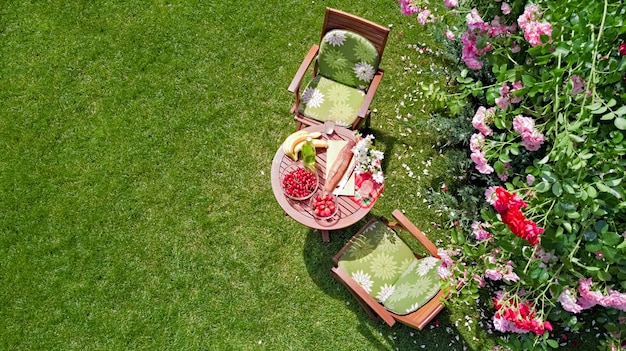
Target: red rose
x=515, y=220
x=622, y=49
x=507, y=201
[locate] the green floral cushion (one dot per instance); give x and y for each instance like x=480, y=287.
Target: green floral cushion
x=377, y=259
x=348, y=58
x=324, y=99
x=417, y=285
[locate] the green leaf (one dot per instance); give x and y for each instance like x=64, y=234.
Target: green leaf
x=504, y=157
x=608, y=116
x=620, y=122
x=568, y=226
x=622, y=110
x=461, y=238
x=613, y=182
x=544, y=160
x=591, y=191
x=548, y=176
x=576, y=138
x=601, y=226
x=563, y=49
x=573, y=215
x=593, y=247
x=542, y=187
x=604, y=276
x=611, y=239
x=552, y=343
x=499, y=167
x=594, y=106
x=604, y=188
x=556, y=189
x=528, y=80
x=600, y=110
x=590, y=235
x=611, y=102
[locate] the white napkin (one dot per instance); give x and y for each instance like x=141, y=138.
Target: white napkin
x=334, y=146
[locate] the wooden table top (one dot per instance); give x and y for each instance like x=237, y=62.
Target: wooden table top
x=349, y=212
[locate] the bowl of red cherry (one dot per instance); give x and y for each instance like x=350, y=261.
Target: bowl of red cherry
x=298, y=182
x=324, y=205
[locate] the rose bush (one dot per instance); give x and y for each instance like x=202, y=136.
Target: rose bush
x=546, y=83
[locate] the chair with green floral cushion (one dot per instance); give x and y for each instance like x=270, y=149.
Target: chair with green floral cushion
x=346, y=72
x=387, y=278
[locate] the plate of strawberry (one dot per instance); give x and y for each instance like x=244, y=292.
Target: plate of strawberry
x=324, y=205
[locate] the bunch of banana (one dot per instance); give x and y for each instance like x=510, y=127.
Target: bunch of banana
x=294, y=142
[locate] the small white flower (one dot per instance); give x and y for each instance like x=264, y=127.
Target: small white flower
x=312, y=97
x=336, y=38
x=363, y=279
x=385, y=291
x=379, y=155
x=378, y=177
x=426, y=265
x=413, y=307
x=364, y=71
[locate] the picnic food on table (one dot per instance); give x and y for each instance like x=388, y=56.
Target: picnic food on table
x=299, y=183
x=340, y=166
x=294, y=142
x=324, y=205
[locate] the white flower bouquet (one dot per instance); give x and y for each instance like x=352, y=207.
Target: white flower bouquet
x=368, y=159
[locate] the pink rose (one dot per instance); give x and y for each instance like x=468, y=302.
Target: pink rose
x=532, y=140
x=506, y=8
x=425, y=17
x=523, y=124
x=493, y=274
x=407, y=7
x=481, y=162
x=477, y=140
x=482, y=117
x=473, y=19
x=479, y=232
x=451, y=3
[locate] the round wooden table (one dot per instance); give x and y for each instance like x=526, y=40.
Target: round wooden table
x=349, y=212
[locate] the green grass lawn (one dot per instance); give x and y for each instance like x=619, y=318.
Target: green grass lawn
x=136, y=210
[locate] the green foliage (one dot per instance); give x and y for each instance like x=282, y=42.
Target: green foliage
x=578, y=195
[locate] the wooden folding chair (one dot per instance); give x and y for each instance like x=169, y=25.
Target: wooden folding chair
x=346, y=72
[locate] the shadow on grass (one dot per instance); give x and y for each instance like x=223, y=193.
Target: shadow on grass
x=318, y=260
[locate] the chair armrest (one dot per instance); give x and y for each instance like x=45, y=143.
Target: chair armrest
x=308, y=59
x=370, y=93
x=411, y=228
x=364, y=296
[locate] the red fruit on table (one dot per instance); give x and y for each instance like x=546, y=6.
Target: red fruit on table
x=299, y=183
x=324, y=205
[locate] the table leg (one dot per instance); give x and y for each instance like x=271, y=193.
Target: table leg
x=325, y=236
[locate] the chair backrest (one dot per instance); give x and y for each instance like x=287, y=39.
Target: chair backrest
x=375, y=33
x=347, y=58
x=350, y=49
